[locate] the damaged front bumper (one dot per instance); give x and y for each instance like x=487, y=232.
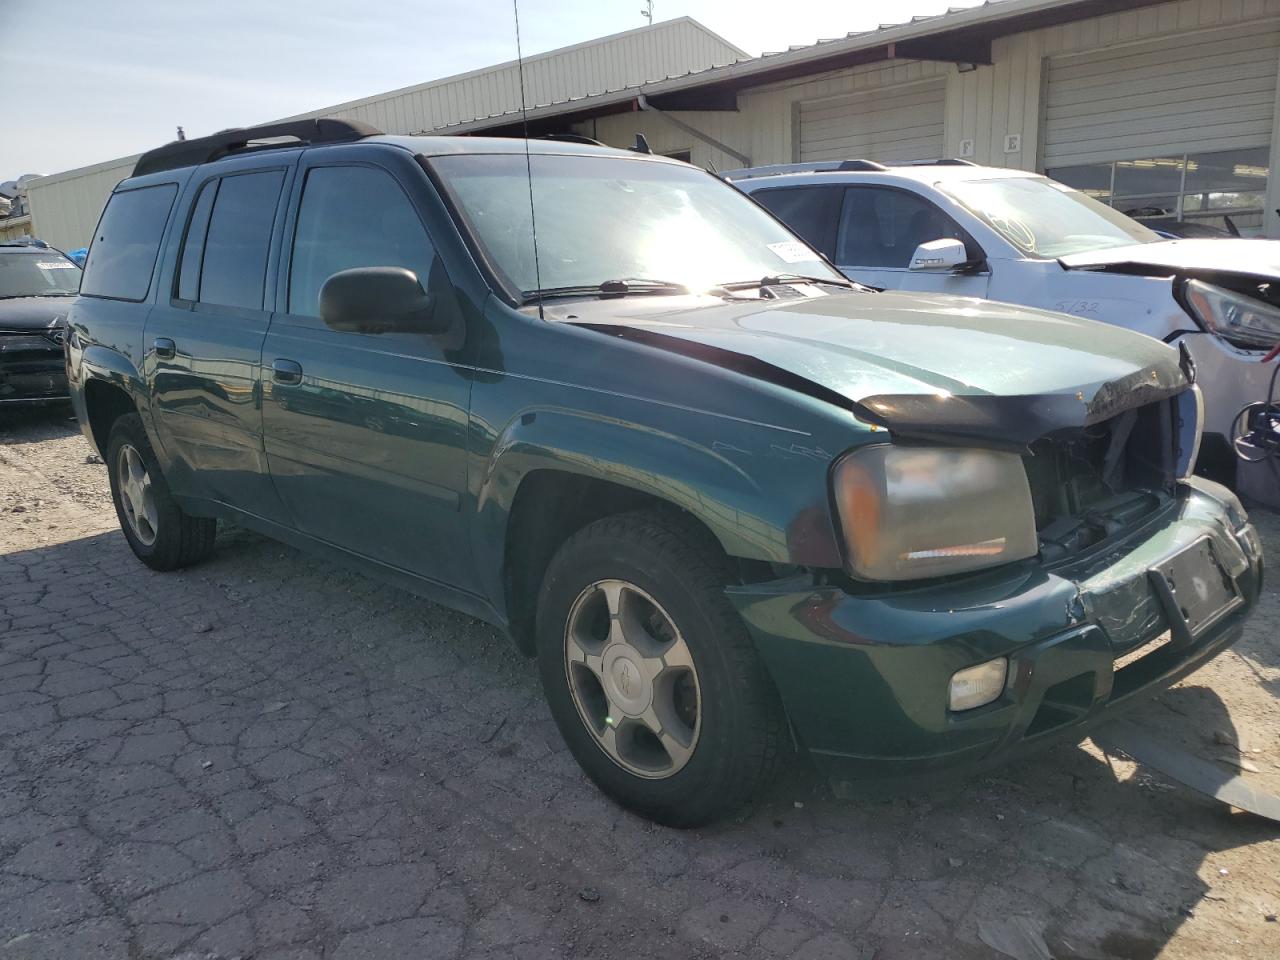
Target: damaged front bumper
x=865, y=678
x=32, y=370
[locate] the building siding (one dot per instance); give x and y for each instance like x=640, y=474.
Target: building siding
x=670, y=48
x=65, y=208
x=984, y=105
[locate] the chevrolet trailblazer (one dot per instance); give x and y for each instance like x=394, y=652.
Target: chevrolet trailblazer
x=729, y=500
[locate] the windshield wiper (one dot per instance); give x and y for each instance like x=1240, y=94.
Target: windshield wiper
x=774, y=279
x=610, y=288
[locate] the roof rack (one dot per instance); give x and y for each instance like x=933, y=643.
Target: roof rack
x=820, y=166
x=187, y=153
x=570, y=138
x=943, y=162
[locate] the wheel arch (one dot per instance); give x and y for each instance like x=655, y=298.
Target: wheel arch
x=553, y=472
x=108, y=385
x=549, y=507
x=105, y=402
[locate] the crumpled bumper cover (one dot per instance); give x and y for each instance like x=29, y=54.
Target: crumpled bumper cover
x=864, y=678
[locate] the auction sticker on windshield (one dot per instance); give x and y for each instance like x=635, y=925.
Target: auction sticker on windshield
x=55, y=265
x=792, y=251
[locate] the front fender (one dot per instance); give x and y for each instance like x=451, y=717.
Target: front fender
x=762, y=492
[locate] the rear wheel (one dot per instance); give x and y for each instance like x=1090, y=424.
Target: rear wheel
x=650, y=673
x=160, y=534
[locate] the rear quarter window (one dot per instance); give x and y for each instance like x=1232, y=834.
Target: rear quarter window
x=124, y=250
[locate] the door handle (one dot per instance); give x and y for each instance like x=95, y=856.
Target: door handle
x=286, y=372
x=165, y=348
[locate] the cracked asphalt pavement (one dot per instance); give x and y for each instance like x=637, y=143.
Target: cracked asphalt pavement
x=269, y=757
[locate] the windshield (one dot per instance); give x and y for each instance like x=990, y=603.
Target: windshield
x=44, y=274
x=613, y=218
x=1044, y=218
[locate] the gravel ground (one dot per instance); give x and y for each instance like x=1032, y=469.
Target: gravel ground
x=267, y=756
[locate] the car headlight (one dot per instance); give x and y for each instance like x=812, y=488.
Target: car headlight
x=1238, y=319
x=915, y=512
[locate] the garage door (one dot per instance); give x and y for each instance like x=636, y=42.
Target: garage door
x=1203, y=92
x=897, y=123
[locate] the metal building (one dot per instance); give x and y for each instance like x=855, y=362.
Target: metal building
x=65, y=206
x=1160, y=108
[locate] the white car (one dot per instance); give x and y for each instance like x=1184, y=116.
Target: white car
x=956, y=228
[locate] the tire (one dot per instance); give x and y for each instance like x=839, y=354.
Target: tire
x=167, y=538
x=669, y=585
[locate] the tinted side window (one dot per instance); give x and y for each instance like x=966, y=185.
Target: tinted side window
x=353, y=217
x=193, y=244
x=235, y=248
x=127, y=242
x=882, y=228
x=809, y=211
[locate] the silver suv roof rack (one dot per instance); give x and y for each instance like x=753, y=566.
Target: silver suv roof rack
x=944, y=162
x=820, y=166
x=839, y=166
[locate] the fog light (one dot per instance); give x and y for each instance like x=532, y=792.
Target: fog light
x=978, y=686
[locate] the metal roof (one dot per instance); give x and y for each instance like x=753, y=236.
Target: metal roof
x=962, y=34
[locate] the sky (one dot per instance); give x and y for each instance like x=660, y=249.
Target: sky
x=86, y=81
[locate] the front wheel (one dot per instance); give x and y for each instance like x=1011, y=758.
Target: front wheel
x=650, y=673
x=160, y=534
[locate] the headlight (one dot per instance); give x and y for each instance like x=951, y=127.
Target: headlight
x=1236, y=318
x=913, y=512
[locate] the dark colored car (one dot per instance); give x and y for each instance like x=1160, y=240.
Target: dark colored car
x=37, y=286
x=1171, y=228
x=730, y=501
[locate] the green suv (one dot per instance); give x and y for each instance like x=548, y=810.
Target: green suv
x=734, y=504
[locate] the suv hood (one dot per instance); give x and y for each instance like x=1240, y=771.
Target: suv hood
x=920, y=365
x=34, y=313
x=1192, y=257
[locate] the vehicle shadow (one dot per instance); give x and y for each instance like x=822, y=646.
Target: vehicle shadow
x=30, y=423
x=1101, y=857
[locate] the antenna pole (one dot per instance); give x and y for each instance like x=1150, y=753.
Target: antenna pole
x=647, y=12
x=528, y=163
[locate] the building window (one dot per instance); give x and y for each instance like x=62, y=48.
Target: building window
x=1226, y=189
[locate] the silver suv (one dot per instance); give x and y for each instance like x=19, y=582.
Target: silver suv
x=953, y=227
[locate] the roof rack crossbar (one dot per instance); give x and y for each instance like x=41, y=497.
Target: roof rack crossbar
x=817, y=166
x=187, y=153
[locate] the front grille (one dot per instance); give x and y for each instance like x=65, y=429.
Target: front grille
x=13, y=341
x=1091, y=484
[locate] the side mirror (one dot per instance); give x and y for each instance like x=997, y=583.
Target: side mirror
x=939, y=255
x=378, y=300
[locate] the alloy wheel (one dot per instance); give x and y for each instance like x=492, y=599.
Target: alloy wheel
x=137, y=501
x=633, y=679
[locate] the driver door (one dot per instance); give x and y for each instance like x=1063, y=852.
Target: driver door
x=878, y=232
x=366, y=433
